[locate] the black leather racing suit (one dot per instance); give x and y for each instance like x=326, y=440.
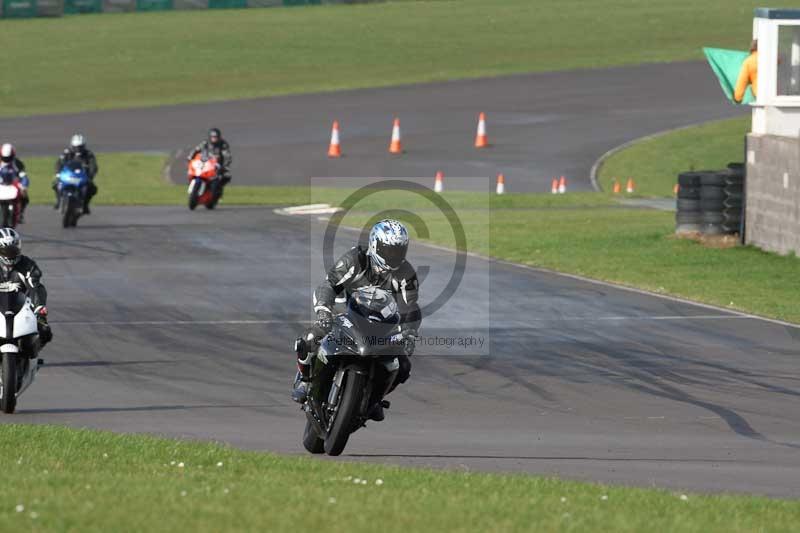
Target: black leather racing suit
x=222, y=151
x=27, y=273
x=354, y=270
x=85, y=157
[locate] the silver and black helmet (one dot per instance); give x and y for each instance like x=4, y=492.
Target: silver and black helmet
x=10, y=247
x=388, y=244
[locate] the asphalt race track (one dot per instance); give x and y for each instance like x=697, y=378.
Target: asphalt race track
x=180, y=323
x=541, y=125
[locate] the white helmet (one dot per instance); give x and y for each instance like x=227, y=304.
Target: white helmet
x=7, y=153
x=78, y=141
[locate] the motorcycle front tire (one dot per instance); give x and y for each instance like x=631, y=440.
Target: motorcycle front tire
x=311, y=440
x=8, y=398
x=194, y=196
x=343, y=421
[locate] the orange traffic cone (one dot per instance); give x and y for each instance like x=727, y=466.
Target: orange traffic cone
x=438, y=184
x=554, y=186
x=396, y=146
x=501, y=184
x=481, y=140
x=630, y=187
x=617, y=186
x=562, y=185
x=335, y=150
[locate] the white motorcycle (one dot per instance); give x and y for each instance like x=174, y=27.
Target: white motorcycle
x=19, y=344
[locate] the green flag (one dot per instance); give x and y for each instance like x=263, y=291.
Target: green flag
x=726, y=64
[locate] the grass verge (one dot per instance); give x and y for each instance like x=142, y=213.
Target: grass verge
x=145, y=59
x=98, y=481
x=655, y=163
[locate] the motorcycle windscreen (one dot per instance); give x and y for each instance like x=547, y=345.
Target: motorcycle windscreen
x=11, y=301
x=8, y=192
x=373, y=336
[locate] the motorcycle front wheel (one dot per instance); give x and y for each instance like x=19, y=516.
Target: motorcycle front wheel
x=8, y=384
x=70, y=213
x=343, y=420
x=8, y=215
x=194, y=196
x=311, y=440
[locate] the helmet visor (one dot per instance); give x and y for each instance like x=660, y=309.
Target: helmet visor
x=392, y=255
x=9, y=254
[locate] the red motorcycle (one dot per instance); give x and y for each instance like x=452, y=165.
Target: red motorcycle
x=10, y=198
x=205, y=186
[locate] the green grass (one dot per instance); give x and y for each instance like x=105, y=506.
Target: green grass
x=111, y=61
x=654, y=164
x=137, y=179
x=78, y=480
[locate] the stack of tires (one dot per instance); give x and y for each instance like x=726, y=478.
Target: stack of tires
x=689, y=216
x=710, y=202
x=734, y=198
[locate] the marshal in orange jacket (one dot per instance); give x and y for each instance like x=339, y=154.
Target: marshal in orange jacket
x=748, y=75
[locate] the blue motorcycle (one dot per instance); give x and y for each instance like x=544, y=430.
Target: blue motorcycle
x=73, y=182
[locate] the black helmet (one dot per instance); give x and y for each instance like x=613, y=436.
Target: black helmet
x=214, y=135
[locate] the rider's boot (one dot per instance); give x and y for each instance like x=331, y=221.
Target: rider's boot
x=86, y=209
x=376, y=413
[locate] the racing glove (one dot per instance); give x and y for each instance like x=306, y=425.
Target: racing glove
x=45, y=333
x=324, y=320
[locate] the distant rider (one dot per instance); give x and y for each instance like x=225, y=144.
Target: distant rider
x=77, y=151
x=218, y=147
x=22, y=270
x=8, y=158
x=383, y=264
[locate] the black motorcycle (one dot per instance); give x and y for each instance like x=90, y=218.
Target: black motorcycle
x=354, y=368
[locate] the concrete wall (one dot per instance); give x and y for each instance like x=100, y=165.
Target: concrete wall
x=773, y=193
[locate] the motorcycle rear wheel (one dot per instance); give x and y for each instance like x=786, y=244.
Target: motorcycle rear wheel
x=343, y=420
x=8, y=388
x=217, y=187
x=311, y=440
